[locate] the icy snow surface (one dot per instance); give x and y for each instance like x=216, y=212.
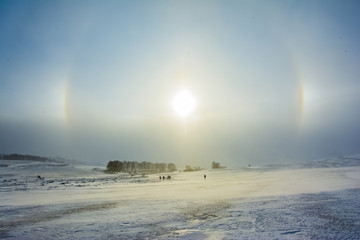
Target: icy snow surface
x=317, y=200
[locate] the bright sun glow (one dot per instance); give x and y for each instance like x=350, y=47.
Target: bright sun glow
x=184, y=103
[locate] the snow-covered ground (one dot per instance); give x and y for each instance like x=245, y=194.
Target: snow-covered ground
x=316, y=200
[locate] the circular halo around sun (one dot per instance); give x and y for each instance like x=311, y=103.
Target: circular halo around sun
x=183, y=103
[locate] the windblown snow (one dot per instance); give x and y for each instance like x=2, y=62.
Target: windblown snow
x=49, y=200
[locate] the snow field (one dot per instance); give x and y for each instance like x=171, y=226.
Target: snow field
x=271, y=203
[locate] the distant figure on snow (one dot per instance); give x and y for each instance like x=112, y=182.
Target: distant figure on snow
x=41, y=178
x=205, y=176
x=168, y=177
x=160, y=177
x=163, y=177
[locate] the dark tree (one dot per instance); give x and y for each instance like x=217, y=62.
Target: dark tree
x=188, y=169
x=114, y=166
x=171, y=167
x=215, y=165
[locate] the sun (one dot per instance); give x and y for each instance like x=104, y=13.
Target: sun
x=183, y=103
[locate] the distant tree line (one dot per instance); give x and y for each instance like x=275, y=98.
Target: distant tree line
x=215, y=165
x=15, y=156
x=188, y=168
x=139, y=167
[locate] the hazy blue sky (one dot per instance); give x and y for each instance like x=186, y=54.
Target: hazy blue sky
x=274, y=81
